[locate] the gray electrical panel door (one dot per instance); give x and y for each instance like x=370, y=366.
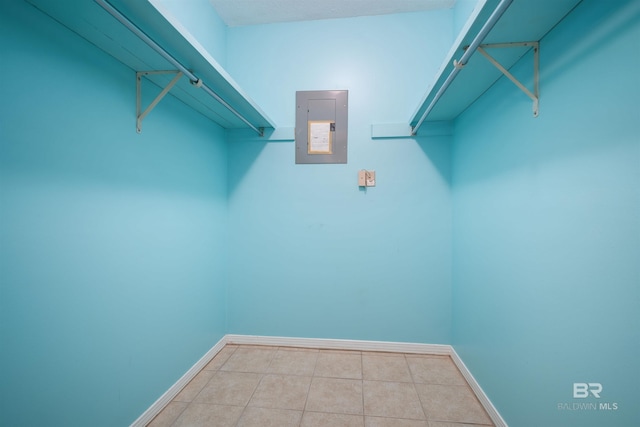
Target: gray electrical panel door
x=321, y=126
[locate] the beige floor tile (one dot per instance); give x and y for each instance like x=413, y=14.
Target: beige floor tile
x=220, y=358
x=267, y=417
x=294, y=362
x=385, y=368
x=272, y=386
x=194, y=387
x=249, y=359
x=282, y=392
x=229, y=388
x=325, y=419
x=451, y=403
x=435, y=370
x=169, y=414
x=392, y=400
x=441, y=424
x=342, y=396
x=393, y=422
x=339, y=364
x=206, y=415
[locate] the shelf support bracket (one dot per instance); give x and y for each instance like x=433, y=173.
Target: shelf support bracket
x=141, y=115
x=535, y=95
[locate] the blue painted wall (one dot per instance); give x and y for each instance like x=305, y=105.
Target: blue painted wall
x=547, y=228
x=462, y=10
x=112, y=244
x=311, y=254
x=125, y=257
x=203, y=22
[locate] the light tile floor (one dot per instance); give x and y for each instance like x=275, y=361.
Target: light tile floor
x=276, y=386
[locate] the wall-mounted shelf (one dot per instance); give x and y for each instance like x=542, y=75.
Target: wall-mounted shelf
x=522, y=21
x=91, y=21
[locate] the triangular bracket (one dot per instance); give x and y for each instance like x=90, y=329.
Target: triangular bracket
x=535, y=95
x=140, y=115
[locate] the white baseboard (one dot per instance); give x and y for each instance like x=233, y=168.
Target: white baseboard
x=334, y=344
x=157, y=406
x=320, y=343
x=484, y=400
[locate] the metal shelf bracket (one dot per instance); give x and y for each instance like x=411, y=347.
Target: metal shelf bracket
x=535, y=95
x=141, y=115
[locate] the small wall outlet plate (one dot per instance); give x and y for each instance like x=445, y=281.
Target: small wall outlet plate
x=370, y=178
x=366, y=178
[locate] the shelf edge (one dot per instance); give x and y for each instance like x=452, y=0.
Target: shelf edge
x=403, y=130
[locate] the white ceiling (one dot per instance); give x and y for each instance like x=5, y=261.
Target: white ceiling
x=250, y=12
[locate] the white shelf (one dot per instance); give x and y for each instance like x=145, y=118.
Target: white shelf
x=523, y=21
x=92, y=22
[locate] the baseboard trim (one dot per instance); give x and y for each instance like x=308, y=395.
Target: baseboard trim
x=157, y=407
x=339, y=344
x=493, y=413
x=320, y=343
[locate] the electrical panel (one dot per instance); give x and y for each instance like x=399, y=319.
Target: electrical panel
x=321, y=126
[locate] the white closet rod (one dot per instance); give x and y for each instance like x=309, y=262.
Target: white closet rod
x=194, y=80
x=458, y=65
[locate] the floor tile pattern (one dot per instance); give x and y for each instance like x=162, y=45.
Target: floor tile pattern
x=275, y=386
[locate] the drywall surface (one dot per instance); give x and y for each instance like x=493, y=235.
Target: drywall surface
x=461, y=12
x=312, y=254
x=112, y=244
x=547, y=229
x=203, y=22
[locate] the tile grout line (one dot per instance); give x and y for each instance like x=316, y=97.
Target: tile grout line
x=174, y=423
x=217, y=371
x=362, y=383
x=262, y=375
x=180, y=414
x=415, y=388
x=306, y=399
